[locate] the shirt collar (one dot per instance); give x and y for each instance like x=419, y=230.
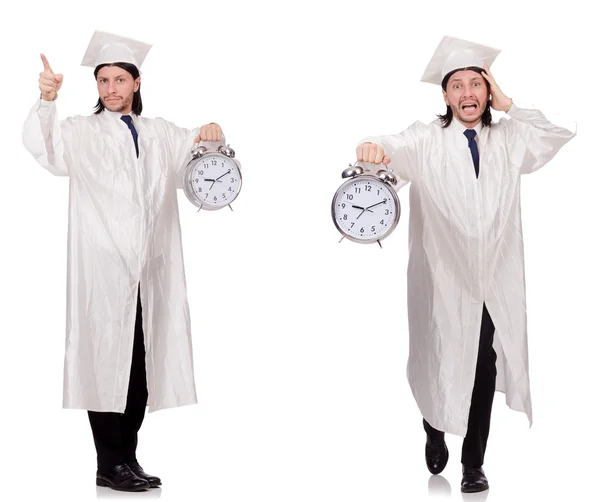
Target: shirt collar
x=460, y=128
x=117, y=115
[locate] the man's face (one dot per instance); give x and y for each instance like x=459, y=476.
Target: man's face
x=116, y=87
x=466, y=94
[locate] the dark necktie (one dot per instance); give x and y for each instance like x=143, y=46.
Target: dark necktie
x=129, y=121
x=470, y=134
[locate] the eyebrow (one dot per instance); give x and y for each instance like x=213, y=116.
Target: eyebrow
x=117, y=76
x=457, y=79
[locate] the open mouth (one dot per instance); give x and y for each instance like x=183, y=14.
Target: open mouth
x=469, y=107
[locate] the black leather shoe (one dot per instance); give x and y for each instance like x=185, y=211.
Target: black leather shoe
x=122, y=478
x=473, y=480
x=153, y=481
x=436, y=455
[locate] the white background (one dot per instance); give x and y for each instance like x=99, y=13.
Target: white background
x=300, y=356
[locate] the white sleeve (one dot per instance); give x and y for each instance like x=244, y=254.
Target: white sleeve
x=532, y=139
x=181, y=142
x=405, y=152
x=51, y=142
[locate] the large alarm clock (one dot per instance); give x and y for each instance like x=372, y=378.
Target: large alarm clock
x=366, y=208
x=213, y=178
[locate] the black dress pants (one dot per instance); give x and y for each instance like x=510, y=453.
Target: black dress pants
x=115, y=434
x=478, y=429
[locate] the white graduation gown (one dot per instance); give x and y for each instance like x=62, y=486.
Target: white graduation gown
x=123, y=230
x=466, y=248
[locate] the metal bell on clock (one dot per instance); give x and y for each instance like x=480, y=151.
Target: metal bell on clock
x=226, y=150
x=352, y=171
x=387, y=176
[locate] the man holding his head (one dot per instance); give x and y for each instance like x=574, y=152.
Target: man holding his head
x=128, y=342
x=466, y=279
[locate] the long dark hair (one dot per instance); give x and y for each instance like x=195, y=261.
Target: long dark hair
x=136, y=106
x=486, y=118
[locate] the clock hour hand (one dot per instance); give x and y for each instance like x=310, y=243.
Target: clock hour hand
x=363, y=208
x=217, y=179
x=213, y=183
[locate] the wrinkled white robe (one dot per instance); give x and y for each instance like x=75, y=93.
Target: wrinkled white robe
x=123, y=230
x=466, y=248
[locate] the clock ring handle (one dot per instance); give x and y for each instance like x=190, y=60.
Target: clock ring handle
x=357, y=169
x=386, y=175
x=203, y=147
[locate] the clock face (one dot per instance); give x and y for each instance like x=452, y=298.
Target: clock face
x=364, y=209
x=215, y=180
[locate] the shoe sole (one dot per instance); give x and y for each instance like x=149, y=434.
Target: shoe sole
x=101, y=482
x=474, y=490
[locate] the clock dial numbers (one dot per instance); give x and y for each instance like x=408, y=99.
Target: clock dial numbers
x=364, y=209
x=215, y=180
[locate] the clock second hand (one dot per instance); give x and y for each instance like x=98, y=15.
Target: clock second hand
x=363, y=210
x=215, y=180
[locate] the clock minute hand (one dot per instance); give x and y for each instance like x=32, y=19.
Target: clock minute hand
x=382, y=202
x=224, y=174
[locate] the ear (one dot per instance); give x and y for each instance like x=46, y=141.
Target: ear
x=445, y=97
x=137, y=84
